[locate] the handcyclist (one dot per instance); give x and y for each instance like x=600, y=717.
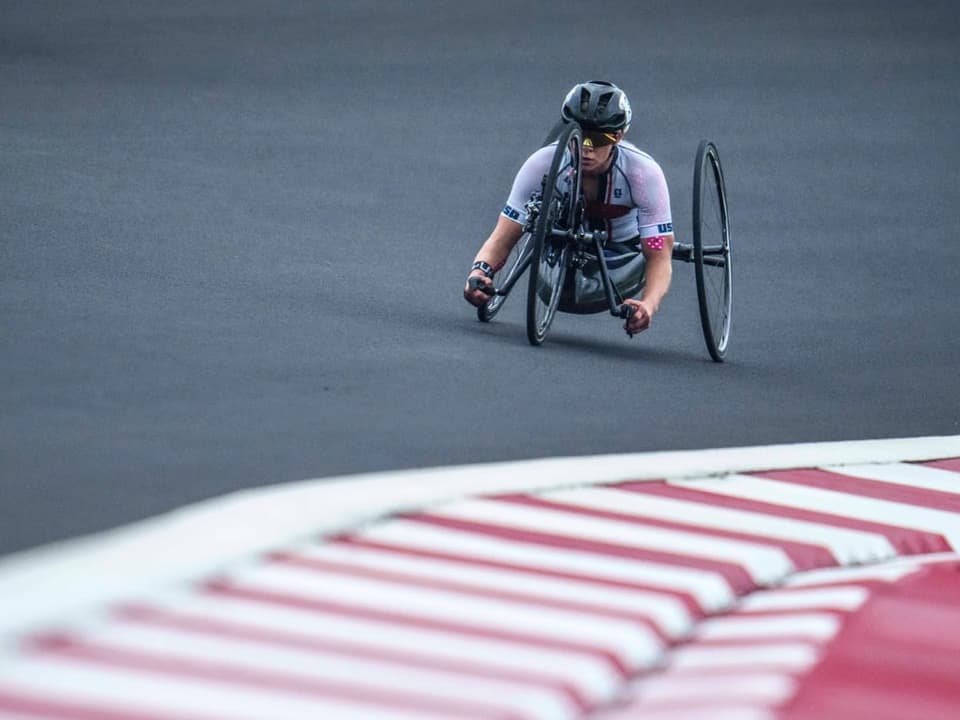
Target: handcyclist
x=625, y=193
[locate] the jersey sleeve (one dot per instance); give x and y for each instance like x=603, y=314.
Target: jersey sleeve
x=653, y=202
x=526, y=183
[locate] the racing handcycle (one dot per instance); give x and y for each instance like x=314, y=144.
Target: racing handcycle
x=558, y=241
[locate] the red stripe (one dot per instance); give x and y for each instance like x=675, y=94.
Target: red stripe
x=16, y=702
x=804, y=556
x=906, y=541
x=688, y=600
x=951, y=464
x=308, y=604
x=892, y=492
x=735, y=575
x=220, y=672
x=409, y=579
x=205, y=625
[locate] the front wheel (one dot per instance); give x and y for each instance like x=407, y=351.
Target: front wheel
x=711, y=250
x=558, y=211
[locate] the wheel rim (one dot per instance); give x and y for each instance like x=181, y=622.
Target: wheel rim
x=551, y=270
x=558, y=210
x=713, y=266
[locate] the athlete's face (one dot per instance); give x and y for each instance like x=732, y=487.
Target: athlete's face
x=597, y=149
x=595, y=159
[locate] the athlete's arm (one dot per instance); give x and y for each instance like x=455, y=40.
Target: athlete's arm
x=493, y=252
x=656, y=235
x=509, y=227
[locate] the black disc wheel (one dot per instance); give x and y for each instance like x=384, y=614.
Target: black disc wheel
x=551, y=246
x=517, y=262
x=711, y=250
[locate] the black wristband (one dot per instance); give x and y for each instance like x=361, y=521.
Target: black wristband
x=485, y=267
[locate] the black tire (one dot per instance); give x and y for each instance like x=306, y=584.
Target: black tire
x=558, y=209
x=517, y=262
x=711, y=250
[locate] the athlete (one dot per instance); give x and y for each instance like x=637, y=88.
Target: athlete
x=625, y=193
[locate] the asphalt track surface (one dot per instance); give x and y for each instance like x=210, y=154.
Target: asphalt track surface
x=233, y=237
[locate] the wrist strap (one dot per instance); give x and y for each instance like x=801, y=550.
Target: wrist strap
x=485, y=267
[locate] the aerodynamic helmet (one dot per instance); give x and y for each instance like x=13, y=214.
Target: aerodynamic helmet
x=598, y=105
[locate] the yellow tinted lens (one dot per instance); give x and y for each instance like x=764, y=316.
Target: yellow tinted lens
x=598, y=139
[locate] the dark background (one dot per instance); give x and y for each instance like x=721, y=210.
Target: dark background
x=233, y=237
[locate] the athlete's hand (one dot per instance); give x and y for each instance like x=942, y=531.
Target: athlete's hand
x=476, y=296
x=642, y=315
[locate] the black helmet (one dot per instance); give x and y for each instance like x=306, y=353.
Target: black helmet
x=598, y=105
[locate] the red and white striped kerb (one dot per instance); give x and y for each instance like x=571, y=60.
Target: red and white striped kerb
x=822, y=593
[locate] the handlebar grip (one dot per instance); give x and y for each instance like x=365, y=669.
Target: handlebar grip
x=476, y=283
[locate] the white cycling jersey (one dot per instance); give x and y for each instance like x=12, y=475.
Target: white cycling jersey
x=632, y=200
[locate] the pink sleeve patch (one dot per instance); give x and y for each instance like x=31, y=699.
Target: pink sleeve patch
x=654, y=243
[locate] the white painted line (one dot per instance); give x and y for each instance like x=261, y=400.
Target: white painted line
x=849, y=505
x=138, y=692
x=792, y=657
x=765, y=563
x=890, y=571
x=757, y=687
x=841, y=597
x=917, y=476
x=847, y=546
x=593, y=676
x=636, y=644
x=710, y=590
x=711, y=711
x=369, y=676
x=668, y=612
x=814, y=626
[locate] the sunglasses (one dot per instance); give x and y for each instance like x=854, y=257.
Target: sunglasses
x=598, y=139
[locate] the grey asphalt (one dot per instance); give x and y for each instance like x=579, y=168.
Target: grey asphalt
x=233, y=237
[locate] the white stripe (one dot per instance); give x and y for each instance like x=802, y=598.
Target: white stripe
x=847, y=546
x=792, y=656
x=917, y=476
x=890, y=571
x=837, y=503
x=636, y=644
x=713, y=711
x=512, y=696
x=758, y=687
x=710, y=589
x=61, y=681
x=841, y=597
x=765, y=563
x=815, y=626
x=668, y=612
x=594, y=677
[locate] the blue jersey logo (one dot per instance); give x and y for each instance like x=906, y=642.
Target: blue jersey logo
x=511, y=213
x=665, y=228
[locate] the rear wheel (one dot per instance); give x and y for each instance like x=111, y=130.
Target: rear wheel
x=711, y=250
x=558, y=210
x=517, y=262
